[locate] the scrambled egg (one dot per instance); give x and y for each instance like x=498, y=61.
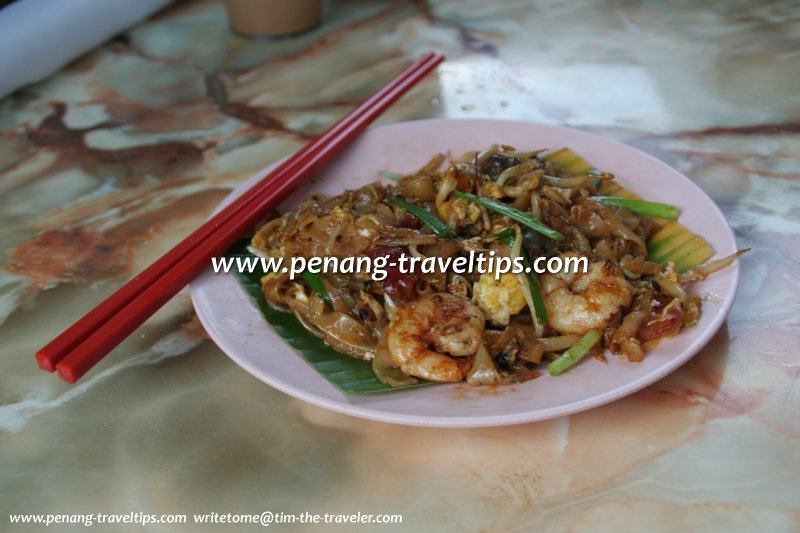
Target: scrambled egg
x=338, y=213
x=499, y=299
x=494, y=190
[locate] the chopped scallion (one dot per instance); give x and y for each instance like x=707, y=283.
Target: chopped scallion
x=571, y=357
x=390, y=175
x=505, y=236
x=536, y=290
x=440, y=229
x=533, y=282
x=314, y=281
x=514, y=214
x=641, y=207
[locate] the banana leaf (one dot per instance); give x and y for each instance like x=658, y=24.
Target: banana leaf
x=672, y=242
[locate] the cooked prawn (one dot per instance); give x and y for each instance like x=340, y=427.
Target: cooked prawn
x=425, y=333
x=577, y=302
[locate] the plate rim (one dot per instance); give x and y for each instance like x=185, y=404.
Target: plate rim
x=513, y=418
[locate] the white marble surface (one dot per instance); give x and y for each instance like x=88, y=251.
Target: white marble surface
x=108, y=163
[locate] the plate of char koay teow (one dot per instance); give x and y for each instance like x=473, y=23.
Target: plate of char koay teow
x=554, y=271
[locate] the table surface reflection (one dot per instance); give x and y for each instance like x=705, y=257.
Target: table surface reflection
x=108, y=163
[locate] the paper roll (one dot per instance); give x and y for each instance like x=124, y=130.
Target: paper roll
x=38, y=37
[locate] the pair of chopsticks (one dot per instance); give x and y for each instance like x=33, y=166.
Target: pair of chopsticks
x=75, y=351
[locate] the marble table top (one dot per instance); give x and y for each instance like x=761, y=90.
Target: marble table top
x=108, y=163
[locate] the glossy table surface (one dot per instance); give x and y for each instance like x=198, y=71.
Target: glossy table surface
x=109, y=162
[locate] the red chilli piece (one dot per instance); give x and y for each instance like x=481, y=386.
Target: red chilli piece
x=399, y=285
x=409, y=221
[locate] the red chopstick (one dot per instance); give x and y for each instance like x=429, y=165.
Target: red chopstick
x=85, y=343
x=50, y=355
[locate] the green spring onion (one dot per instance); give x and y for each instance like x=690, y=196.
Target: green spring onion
x=536, y=290
x=533, y=282
x=314, y=281
x=429, y=219
x=390, y=175
x=514, y=214
x=571, y=357
x=505, y=236
x=641, y=207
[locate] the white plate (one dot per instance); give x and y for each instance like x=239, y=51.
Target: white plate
x=235, y=324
